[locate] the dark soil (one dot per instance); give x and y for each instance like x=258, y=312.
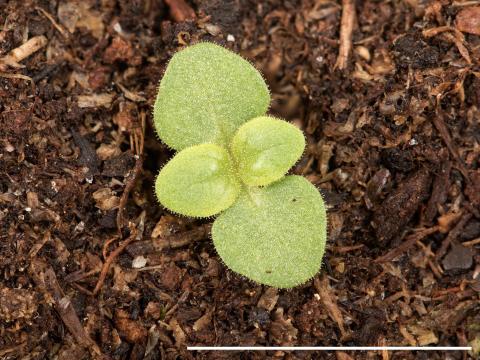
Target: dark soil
x=393, y=144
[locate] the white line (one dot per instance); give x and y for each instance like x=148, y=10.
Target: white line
x=328, y=348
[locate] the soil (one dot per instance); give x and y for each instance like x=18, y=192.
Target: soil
x=93, y=268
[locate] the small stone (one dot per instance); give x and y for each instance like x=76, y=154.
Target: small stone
x=139, y=262
x=459, y=257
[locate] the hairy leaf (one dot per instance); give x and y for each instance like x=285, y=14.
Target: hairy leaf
x=274, y=235
x=207, y=92
x=265, y=148
x=198, y=181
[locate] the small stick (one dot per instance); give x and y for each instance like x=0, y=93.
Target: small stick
x=471, y=242
x=408, y=243
x=345, y=249
x=48, y=280
x=23, y=51
x=79, y=275
x=439, y=123
x=16, y=76
x=130, y=182
x=57, y=26
x=128, y=187
x=428, y=33
x=346, y=30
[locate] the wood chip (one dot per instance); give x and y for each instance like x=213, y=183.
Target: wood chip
x=180, y=10
x=268, y=300
x=330, y=302
x=346, y=31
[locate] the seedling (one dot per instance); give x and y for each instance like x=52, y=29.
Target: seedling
x=232, y=161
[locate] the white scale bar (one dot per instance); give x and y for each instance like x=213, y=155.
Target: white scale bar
x=328, y=348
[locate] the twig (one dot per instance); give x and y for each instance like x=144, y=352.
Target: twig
x=182, y=239
x=345, y=249
x=130, y=183
x=132, y=177
x=47, y=280
x=406, y=244
x=346, y=30
x=428, y=33
x=441, y=127
x=457, y=38
x=57, y=26
x=471, y=242
x=130, y=95
x=79, y=275
x=173, y=241
x=16, y=76
x=465, y=3
x=23, y=51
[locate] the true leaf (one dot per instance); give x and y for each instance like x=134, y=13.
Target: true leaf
x=198, y=181
x=207, y=92
x=265, y=148
x=274, y=235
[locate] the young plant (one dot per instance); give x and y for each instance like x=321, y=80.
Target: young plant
x=232, y=162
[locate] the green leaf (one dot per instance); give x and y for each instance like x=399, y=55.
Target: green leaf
x=198, y=181
x=207, y=92
x=274, y=235
x=265, y=148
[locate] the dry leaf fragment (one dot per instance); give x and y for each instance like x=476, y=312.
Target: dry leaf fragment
x=468, y=20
